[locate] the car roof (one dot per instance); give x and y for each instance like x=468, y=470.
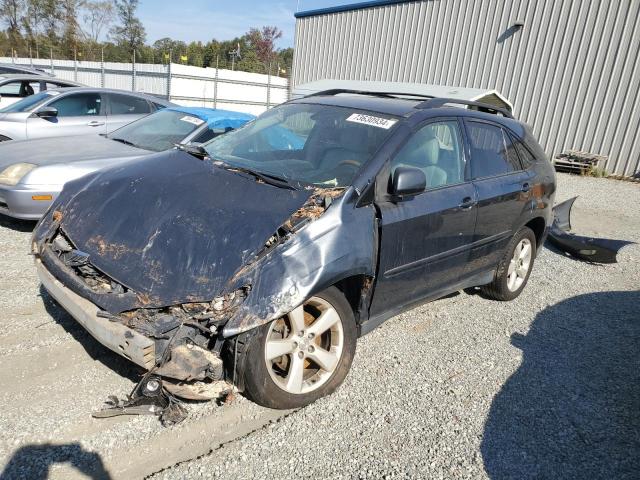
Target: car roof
x=214, y=117
x=386, y=105
x=28, y=76
x=151, y=98
x=404, y=105
x=24, y=68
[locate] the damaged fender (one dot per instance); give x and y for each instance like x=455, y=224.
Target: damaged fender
x=310, y=260
x=598, y=250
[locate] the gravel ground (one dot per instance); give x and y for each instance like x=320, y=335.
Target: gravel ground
x=547, y=386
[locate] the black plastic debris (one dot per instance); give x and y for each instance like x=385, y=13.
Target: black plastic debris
x=148, y=397
x=597, y=250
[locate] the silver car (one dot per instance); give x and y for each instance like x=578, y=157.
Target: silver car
x=15, y=87
x=13, y=68
x=74, y=111
x=32, y=173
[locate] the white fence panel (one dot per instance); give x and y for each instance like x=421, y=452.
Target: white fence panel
x=182, y=84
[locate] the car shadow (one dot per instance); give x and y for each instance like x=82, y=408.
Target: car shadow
x=16, y=224
x=33, y=462
x=572, y=408
x=95, y=349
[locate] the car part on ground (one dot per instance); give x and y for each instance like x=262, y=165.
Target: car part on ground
x=28, y=189
x=148, y=397
x=598, y=250
x=204, y=260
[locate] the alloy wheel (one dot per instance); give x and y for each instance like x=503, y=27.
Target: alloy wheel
x=519, y=265
x=304, y=348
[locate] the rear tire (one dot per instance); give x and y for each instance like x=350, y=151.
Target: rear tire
x=4, y=139
x=514, y=268
x=303, y=356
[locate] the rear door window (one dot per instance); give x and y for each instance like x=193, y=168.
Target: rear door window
x=128, y=105
x=492, y=151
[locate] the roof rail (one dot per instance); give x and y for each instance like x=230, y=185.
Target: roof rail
x=337, y=91
x=438, y=102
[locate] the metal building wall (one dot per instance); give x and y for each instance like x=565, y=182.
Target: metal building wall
x=572, y=71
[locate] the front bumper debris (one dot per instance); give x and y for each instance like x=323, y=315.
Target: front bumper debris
x=597, y=250
x=115, y=336
x=147, y=398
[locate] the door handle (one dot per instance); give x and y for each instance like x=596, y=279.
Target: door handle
x=467, y=203
x=526, y=187
x=95, y=123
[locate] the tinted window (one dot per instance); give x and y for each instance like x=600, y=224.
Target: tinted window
x=492, y=152
x=126, y=105
x=526, y=157
x=79, y=104
x=29, y=103
x=209, y=134
x=51, y=85
x=318, y=144
x=11, y=89
x=436, y=149
x=159, y=131
x=31, y=88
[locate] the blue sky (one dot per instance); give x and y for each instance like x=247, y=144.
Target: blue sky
x=191, y=20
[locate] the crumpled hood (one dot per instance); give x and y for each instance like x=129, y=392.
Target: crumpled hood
x=49, y=151
x=171, y=227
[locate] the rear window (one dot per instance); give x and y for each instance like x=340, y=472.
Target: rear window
x=492, y=152
x=128, y=105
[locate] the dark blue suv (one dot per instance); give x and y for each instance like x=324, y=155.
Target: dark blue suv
x=258, y=258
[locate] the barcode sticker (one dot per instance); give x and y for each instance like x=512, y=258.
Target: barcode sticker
x=194, y=120
x=371, y=120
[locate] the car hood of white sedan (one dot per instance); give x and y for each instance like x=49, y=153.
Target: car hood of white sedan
x=61, y=150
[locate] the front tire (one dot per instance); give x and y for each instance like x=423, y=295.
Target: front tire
x=514, y=268
x=303, y=356
x=4, y=139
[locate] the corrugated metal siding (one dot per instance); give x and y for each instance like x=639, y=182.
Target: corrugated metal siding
x=572, y=72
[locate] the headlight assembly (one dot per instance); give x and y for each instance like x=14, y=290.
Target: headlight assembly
x=14, y=173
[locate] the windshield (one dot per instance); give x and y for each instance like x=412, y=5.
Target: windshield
x=29, y=103
x=159, y=131
x=317, y=144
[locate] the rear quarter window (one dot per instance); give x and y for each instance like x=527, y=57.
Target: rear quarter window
x=526, y=157
x=492, y=151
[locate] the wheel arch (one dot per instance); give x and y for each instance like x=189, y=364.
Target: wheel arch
x=538, y=225
x=357, y=291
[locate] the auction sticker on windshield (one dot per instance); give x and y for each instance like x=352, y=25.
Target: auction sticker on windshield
x=194, y=120
x=371, y=120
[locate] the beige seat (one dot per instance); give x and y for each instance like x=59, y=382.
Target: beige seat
x=425, y=155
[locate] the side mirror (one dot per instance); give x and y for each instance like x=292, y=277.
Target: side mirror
x=47, y=112
x=408, y=181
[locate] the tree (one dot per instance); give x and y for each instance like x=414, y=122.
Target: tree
x=263, y=42
x=130, y=34
x=71, y=29
x=97, y=17
x=11, y=12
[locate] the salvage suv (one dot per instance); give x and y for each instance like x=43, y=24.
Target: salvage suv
x=259, y=258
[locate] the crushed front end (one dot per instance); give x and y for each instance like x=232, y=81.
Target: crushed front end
x=182, y=343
